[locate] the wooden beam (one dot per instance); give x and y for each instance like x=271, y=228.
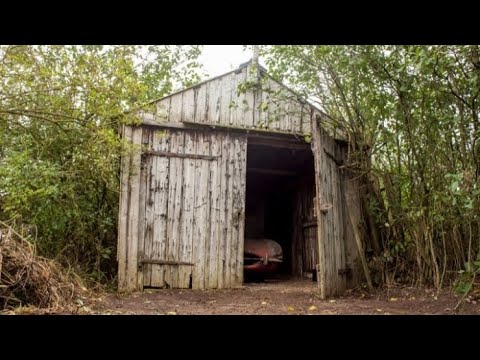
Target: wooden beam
x=278, y=143
x=272, y=171
x=236, y=128
x=188, y=156
x=165, y=262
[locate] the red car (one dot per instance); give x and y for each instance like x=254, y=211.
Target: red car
x=262, y=256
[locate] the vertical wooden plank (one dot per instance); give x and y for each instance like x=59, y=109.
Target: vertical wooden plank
x=295, y=115
x=249, y=106
x=214, y=100
x=237, y=113
x=240, y=185
x=336, y=241
x=236, y=211
x=226, y=96
x=288, y=119
x=176, y=107
x=317, y=147
x=123, y=214
x=142, y=204
x=201, y=103
x=224, y=180
x=332, y=275
x=272, y=116
x=160, y=213
x=173, y=209
x=178, y=214
x=278, y=98
x=229, y=213
x=339, y=222
x=188, y=205
x=353, y=213
x=163, y=110
x=132, y=234
x=215, y=191
x=151, y=167
x=305, y=120
x=188, y=105
x=201, y=222
x=170, y=270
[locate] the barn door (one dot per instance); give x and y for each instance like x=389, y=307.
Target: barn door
x=332, y=270
x=194, y=209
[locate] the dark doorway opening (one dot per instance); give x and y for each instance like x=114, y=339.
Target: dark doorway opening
x=279, y=173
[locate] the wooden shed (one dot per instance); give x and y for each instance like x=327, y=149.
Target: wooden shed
x=214, y=165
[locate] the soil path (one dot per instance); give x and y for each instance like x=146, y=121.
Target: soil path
x=284, y=297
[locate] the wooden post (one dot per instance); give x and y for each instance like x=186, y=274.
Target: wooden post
x=317, y=151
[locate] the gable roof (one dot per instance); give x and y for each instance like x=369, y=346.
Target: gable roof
x=216, y=102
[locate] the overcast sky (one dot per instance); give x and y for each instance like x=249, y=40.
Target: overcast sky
x=219, y=59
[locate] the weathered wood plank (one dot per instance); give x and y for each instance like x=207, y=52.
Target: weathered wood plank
x=215, y=191
x=241, y=150
x=223, y=213
x=188, y=105
x=123, y=214
x=306, y=116
x=214, y=101
x=175, y=164
x=274, y=110
x=177, y=215
x=229, y=214
x=132, y=234
x=180, y=155
x=165, y=262
x=201, y=103
x=226, y=99
x=162, y=143
x=163, y=110
x=319, y=183
x=176, y=108
x=202, y=204
x=236, y=211
x=142, y=204
x=187, y=220
x=237, y=116
x=150, y=167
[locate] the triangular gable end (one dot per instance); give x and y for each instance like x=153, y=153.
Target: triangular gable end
x=218, y=102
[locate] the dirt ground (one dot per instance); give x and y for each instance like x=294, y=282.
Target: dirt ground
x=287, y=297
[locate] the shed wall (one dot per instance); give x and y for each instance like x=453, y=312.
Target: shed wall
x=182, y=210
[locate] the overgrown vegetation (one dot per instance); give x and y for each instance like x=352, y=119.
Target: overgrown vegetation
x=411, y=114
x=60, y=111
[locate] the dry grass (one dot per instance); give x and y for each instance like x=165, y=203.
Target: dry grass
x=28, y=280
